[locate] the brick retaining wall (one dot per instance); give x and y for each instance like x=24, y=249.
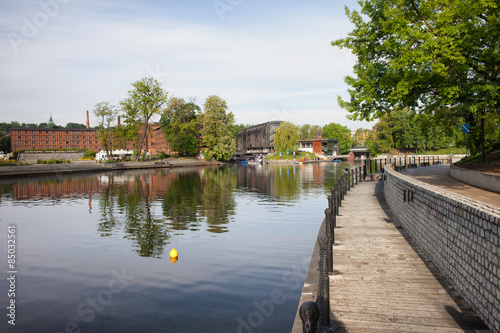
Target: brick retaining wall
x=459, y=235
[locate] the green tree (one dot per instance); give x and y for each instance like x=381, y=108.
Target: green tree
x=340, y=133
x=144, y=101
x=5, y=127
x=217, y=128
x=106, y=114
x=402, y=129
x=426, y=55
x=310, y=131
x=180, y=126
x=286, y=137
x=75, y=125
x=5, y=142
x=239, y=127
x=384, y=137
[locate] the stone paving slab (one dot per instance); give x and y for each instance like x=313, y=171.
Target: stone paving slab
x=384, y=282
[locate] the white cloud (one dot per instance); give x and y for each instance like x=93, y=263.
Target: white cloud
x=92, y=52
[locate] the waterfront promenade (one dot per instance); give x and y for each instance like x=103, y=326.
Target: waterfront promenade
x=34, y=170
x=438, y=175
x=385, y=283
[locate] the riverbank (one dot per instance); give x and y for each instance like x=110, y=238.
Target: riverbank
x=34, y=170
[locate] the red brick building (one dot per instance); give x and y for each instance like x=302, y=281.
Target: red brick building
x=53, y=139
x=157, y=141
x=76, y=138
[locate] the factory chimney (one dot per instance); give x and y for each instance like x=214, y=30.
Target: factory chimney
x=88, y=122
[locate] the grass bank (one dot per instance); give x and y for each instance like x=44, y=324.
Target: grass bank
x=289, y=157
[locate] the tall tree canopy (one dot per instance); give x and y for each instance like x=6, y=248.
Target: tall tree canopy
x=180, y=126
x=144, y=101
x=310, y=131
x=217, y=128
x=106, y=114
x=430, y=56
x=340, y=133
x=287, y=137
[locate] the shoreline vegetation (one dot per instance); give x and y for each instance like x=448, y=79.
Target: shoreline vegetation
x=34, y=170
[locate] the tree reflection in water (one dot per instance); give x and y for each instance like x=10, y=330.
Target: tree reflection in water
x=149, y=207
x=217, y=200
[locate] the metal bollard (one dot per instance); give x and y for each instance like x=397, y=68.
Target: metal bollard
x=343, y=186
x=348, y=178
x=335, y=200
x=337, y=196
x=309, y=314
x=324, y=289
x=330, y=202
x=328, y=233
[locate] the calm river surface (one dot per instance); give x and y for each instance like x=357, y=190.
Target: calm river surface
x=92, y=251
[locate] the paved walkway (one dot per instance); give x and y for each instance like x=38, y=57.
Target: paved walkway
x=385, y=283
x=438, y=175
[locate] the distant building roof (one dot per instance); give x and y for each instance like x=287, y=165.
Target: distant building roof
x=359, y=149
x=318, y=138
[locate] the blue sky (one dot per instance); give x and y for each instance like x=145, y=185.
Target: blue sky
x=269, y=60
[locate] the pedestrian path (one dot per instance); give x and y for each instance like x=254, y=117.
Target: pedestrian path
x=438, y=175
x=385, y=283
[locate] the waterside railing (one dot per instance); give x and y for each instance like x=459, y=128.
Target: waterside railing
x=315, y=316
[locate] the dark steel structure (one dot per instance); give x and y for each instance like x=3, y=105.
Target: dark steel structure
x=258, y=139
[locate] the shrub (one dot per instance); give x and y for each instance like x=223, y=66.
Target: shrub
x=12, y=163
x=52, y=161
x=89, y=154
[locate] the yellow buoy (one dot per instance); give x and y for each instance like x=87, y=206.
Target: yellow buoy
x=173, y=253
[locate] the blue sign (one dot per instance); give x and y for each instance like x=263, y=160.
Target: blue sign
x=466, y=128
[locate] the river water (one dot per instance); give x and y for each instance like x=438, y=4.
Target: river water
x=92, y=251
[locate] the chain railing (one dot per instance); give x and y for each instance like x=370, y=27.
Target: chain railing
x=315, y=316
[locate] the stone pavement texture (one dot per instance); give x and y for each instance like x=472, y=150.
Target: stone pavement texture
x=438, y=175
x=385, y=283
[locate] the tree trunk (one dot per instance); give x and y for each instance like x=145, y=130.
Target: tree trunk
x=483, y=157
x=143, y=137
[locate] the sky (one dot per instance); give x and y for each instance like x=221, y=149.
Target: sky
x=270, y=60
